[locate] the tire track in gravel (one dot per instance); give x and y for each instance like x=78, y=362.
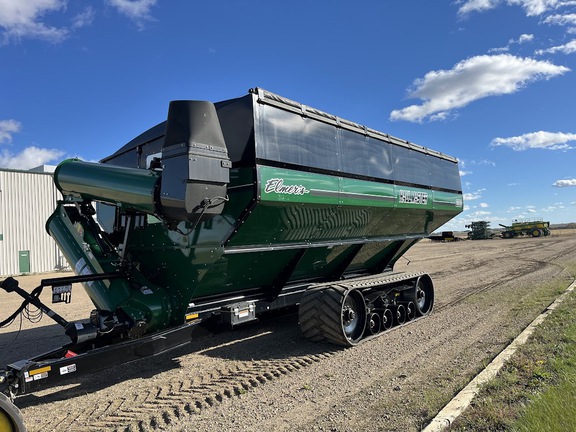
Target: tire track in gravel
x=157, y=406
x=163, y=405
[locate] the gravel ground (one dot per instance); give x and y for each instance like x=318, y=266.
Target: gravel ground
x=266, y=376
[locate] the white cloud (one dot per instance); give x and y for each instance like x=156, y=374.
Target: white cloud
x=28, y=158
x=565, y=183
x=499, y=50
x=470, y=6
x=531, y=7
x=84, y=19
x=534, y=140
x=563, y=20
x=473, y=195
x=484, y=205
x=484, y=162
x=535, y=7
x=21, y=19
x=475, y=78
x=27, y=18
x=463, y=173
x=478, y=214
x=137, y=10
x=568, y=48
x=524, y=38
x=7, y=128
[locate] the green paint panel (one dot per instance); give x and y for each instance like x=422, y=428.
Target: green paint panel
x=140, y=300
x=254, y=240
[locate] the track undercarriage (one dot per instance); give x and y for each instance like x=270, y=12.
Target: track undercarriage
x=350, y=312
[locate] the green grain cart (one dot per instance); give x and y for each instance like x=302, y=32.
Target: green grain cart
x=529, y=228
x=229, y=210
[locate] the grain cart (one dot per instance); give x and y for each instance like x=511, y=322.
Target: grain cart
x=229, y=210
x=530, y=228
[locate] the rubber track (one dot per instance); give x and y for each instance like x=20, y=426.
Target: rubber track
x=320, y=307
x=319, y=314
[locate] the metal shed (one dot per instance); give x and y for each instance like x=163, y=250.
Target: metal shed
x=27, y=198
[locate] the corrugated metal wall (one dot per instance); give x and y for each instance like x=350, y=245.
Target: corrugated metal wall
x=27, y=199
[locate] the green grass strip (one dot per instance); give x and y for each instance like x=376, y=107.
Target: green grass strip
x=536, y=390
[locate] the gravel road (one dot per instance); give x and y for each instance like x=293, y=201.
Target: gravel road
x=267, y=377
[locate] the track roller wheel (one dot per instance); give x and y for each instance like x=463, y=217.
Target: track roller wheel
x=410, y=311
x=374, y=324
x=10, y=416
x=400, y=315
x=387, y=319
x=333, y=313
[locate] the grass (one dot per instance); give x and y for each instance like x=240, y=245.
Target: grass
x=536, y=390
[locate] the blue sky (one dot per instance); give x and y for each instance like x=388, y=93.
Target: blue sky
x=491, y=82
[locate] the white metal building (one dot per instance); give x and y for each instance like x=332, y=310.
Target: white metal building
x=27, y=199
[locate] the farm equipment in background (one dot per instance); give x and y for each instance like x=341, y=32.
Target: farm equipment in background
x=444, y=236
x=529, y=228
x=229, y=210
x=480, y=230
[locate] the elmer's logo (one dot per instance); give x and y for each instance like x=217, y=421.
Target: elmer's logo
x=276, y=185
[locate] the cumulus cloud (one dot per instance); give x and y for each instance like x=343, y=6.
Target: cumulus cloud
x=523, y=38
x=7, y=129
x=562, y=20
x=22, y=19
x=471, y=196
x=475, y=78
x=28, y=158
x=565, y=183
x=470, y=6
x=531, y=7
x=537, y=140
x=567, y=48
x=137, y=10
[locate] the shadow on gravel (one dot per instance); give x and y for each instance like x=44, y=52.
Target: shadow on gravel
x=272, y=338
x=20, y=344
